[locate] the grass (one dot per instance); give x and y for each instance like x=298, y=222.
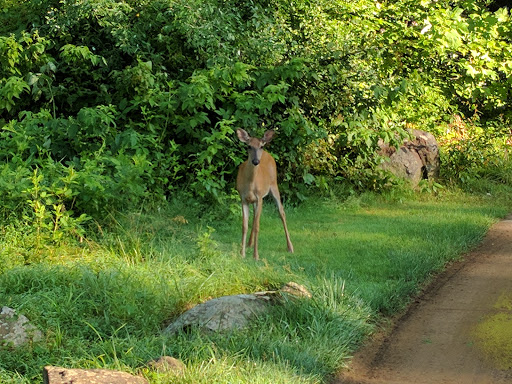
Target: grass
x=104, y=304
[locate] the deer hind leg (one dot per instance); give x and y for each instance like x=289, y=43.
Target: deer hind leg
x=277, y=197
x=245, y=225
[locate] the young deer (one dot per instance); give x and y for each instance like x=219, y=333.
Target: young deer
x=257, y=176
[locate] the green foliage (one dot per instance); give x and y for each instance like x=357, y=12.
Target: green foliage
x=141, y=99
x=472, y=153
x=458, y=46
x=357, y=145
x=77, y=163
x=49, y=212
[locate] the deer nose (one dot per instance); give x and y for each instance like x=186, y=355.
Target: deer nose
x=255, y=161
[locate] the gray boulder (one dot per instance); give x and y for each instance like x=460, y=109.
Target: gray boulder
x=233, y=312
x=417, y=159
x=223, y=313
x=406, y=164
x=16, y=330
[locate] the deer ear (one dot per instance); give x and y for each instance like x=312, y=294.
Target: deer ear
x=242, y=135
x=267, y=137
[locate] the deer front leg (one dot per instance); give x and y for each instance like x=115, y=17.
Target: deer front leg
x=256, y=227
x=245, y=225
x=251, y=237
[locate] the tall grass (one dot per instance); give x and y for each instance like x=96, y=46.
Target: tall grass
x=104, y=304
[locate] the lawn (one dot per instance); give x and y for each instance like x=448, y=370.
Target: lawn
x=104, y=303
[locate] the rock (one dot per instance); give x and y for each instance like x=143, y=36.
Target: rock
x=16, y=330
x=406, y=164
x=59, y=375
x=167, y=364
x=428, y=149
x=415, y=160
x=233, y=312
x=223, y=313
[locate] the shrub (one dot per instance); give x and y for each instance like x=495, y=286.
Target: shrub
x=141, y=99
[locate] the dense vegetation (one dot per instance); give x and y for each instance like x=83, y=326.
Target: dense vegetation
x=118, y=158
x=104, y=103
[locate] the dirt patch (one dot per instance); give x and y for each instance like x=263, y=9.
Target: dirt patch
x=458, y=331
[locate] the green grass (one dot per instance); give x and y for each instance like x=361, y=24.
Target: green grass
x=103, y=304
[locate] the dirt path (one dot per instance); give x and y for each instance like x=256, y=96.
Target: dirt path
x=458, y=331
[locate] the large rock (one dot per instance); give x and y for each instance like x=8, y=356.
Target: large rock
x=415, y=160
x=233, y=312
x=16, y=330
x=59, y=375
x=406, y=164
x=223, y=313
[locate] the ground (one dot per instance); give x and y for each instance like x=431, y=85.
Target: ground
x=458, y=331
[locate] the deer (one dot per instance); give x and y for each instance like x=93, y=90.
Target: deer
x=257, y=176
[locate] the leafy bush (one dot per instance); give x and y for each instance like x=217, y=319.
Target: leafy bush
x=140, y=100
x=473, y=152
